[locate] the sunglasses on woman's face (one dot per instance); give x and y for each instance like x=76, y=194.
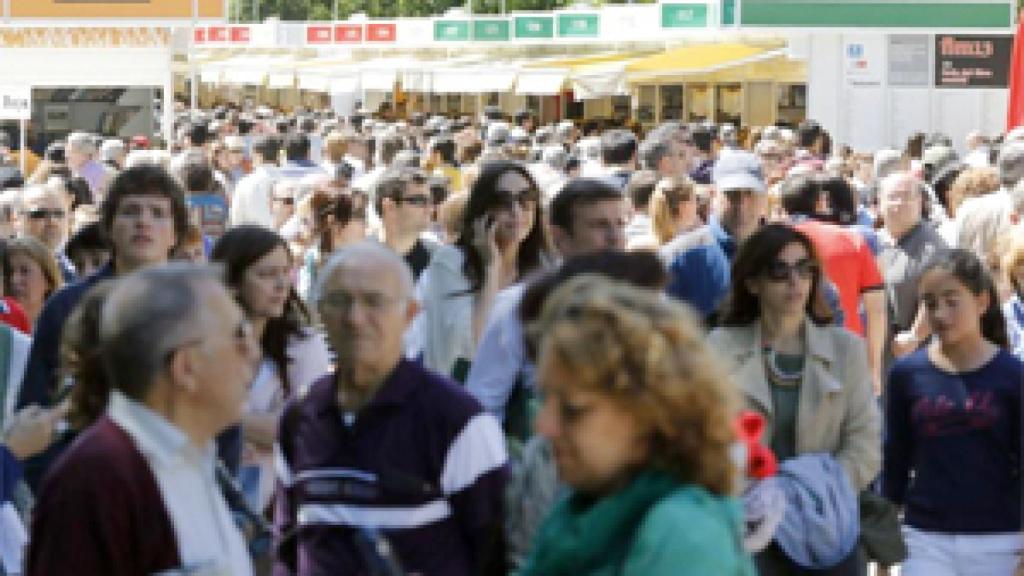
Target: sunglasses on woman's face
x=780, y=271
x=506, y=200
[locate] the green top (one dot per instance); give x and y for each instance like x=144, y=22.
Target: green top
x=654, y=526
x=784, y=382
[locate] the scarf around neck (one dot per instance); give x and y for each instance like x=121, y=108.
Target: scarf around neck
x=582, y=534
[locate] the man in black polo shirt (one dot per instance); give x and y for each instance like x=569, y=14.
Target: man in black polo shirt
x=404, y=204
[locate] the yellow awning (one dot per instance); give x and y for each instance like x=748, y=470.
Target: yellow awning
x=585, y=61
x=700, y=58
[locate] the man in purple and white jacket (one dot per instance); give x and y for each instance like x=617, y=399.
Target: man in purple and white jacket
x=384, y=444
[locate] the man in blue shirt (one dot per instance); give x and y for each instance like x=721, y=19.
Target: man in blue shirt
x=698, y=261
x=588, y=215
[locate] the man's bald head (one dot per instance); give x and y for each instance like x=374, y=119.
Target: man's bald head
x=363, y=255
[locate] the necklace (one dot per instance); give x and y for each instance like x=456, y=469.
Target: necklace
x=776, y=373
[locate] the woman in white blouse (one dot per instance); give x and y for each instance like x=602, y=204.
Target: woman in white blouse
x=501, y=240
x=258, y=269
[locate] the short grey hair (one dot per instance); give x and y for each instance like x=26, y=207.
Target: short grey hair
x=651, y=151
x=886, y=162
x=362, y=252
x=1011, y=164
x=82, y=142
x=146, y=316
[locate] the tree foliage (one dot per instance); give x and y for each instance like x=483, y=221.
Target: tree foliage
x=257, y=10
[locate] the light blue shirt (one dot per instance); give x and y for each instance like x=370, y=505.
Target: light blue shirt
x=501, y=356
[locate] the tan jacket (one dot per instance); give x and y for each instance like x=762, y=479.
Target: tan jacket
x=837, y=413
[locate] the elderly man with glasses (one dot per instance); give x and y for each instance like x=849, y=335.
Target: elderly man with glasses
x=137, y=492
x=384, y=444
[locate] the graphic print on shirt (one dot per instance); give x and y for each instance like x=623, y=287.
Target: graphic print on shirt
x=943, y=416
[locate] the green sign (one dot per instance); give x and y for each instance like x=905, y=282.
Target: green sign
x=684, y=15
x=451, y=30
x=578, y=25
x=535, y=27
x=728, y=12
x=878, y=13
x=491, y=30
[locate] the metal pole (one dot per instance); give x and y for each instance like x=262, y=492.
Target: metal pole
x=334, y=12
x=23, y=143
x=256, y=11
x=194, y=73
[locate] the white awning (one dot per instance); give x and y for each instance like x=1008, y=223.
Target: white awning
x=344, y=85
x=210, y=75
x=314, y=82
x=244, y=76
x=600, y=81
x=540, y=82
x=472, y=81
x=280, y=80
x=81, y=66
x=416, y=81
x=378, y=79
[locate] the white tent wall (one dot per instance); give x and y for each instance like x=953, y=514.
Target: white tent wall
x=124, y=66
x=48, y=67
x=859, y=106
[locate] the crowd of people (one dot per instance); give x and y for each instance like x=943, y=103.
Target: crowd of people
x=311, y=344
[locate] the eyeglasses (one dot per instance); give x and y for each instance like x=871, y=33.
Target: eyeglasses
x=780, y=271
x=373, y=302
x=41, y=213
x=420, y=201
x=286, y=200
x=243, y=334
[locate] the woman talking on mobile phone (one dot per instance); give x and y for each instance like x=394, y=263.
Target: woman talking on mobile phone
x=502, y=239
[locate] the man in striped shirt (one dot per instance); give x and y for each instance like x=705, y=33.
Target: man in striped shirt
x=384, y=444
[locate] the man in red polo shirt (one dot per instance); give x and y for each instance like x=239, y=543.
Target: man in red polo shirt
x=849, y=265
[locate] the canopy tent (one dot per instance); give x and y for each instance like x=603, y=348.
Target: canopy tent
x=593, y=76
x=541, y=82
x=699, y=59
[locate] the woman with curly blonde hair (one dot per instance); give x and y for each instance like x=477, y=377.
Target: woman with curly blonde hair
x=638, y=413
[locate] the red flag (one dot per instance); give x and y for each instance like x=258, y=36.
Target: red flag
x=1015, y=107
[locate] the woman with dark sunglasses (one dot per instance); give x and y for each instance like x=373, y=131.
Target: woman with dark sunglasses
x=809, y=378
x=501, y=240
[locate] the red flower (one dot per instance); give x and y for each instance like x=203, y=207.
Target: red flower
x=750, y=426
x=761, y=462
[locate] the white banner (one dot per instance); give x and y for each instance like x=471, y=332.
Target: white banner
x=15, y=102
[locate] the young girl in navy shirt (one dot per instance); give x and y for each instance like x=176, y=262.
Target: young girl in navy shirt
x=952, y=454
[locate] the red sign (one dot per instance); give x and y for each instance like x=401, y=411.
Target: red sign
x=240, y=34
x=217, y=34
x=381, y=32
x=348, y=33
x=318, y=34
x=200, y=36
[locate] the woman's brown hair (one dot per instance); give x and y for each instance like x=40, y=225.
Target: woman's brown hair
x=664, y=206
x=648, y=354
x=757, y=253
x=39, y=254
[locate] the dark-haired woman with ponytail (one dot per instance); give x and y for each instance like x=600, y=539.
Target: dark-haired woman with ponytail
x=953, y=442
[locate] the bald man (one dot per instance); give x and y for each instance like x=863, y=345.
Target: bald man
x=383, y=443
x=909, y=245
